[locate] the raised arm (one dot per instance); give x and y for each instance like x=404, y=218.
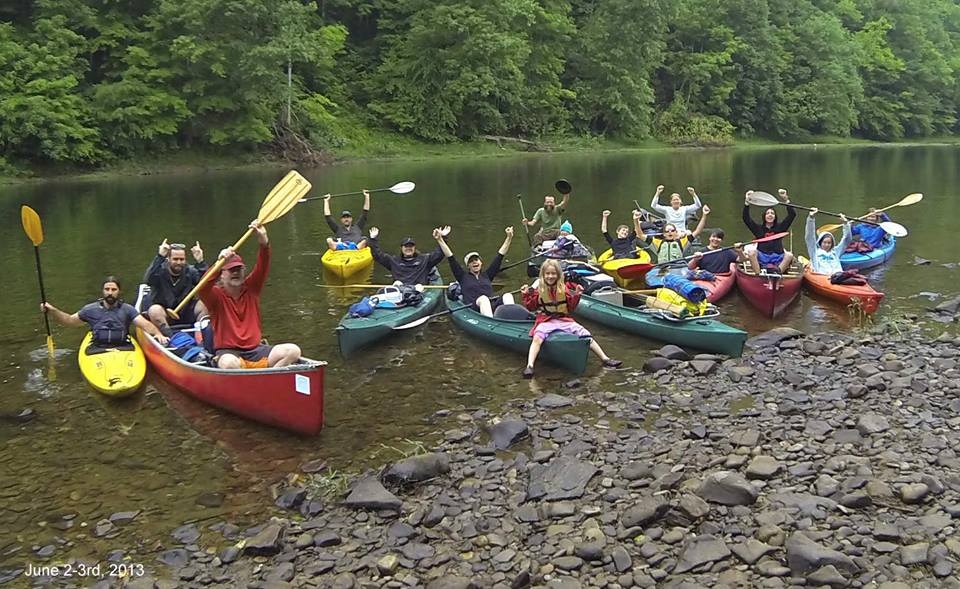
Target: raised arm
x=655, y=203
x=563, y=202
x=385, y=260
x=847, y=235
x=696, y=199
x=703, y=221
x=810, y=233
x=505, y=246
x=327, y=215
x=443, y=244
x=637, y=228
x=603, y=223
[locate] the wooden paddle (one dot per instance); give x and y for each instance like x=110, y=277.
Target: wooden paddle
x=398, y=188
x=523, y=215
x=910, y=199
x=34, y=230
x=677, y=262
x=765, y=199
x=423, y=320
x=284, y=196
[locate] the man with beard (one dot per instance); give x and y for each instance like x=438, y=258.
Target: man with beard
x=549, y=217
x=347, y=234
x=170, y=279
x=109, y=318
x=234, y=307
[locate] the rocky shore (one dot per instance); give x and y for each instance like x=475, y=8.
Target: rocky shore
x=827, y=460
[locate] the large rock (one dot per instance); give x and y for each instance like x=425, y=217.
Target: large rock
x=728, y=488
x=416, y=469
x=267, y=541
x=805, y=556
x=645, y=511
x=508, y=432
x=773, y=337
x=701, y=550
x=368, y=493
x=564, y=477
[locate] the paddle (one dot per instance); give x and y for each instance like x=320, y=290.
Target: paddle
x=284, y=196
x=398, y=188
x=910, y=199
x=765, y=199
x=423, y=320
x=523, y=215
x=517, y=263
x=34, y=230
x=772, y=237
x=375, y=285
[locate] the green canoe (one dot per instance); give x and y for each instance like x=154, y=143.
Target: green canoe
x=564, y=350
x=354, y=333
x=627, y=313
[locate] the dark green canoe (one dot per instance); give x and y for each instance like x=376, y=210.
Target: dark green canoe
x=564, y=350
x=354, y=333
x=627, y=313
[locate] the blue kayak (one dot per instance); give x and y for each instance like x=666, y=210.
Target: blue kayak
x=853, y=260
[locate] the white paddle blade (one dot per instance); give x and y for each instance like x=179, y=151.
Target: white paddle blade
x=762, y=199
x=416, y=323
x=402, y=187
x=894, y=229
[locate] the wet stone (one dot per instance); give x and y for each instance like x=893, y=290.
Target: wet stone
x=291, y=498
x=828, y=575
x=727, y=488
x=805, y=556
x=763, y=468
x=562, y=478
x=265, y=542
x=701, y=550
x=417, y=469
x=176, y=558
x=914, y=493
x=914, y=554
x=368, y=493
x=553, y=401
x=508, y=432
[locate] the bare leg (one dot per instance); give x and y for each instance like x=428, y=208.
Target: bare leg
x=229, y=361
x=753, y=256
x=485, y=307
x=331, y=243
x=362, y=244
x=158, y=316
x=283, y=355
x=507, y=299
x=785, y=263
x=596, y=349
x=534, y=351
x=200, y=310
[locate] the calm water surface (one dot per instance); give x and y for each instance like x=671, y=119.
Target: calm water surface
x=85, y=457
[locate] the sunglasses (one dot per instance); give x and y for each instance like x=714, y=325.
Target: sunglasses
x=178, y=246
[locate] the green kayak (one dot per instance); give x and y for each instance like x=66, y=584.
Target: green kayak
x=628, y=313
x=354, y=333
x=563, y=350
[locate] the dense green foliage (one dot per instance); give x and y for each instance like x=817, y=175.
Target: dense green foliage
x=88, y=81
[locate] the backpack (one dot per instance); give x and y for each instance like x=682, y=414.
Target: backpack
x=186, y=347
x=364, y=308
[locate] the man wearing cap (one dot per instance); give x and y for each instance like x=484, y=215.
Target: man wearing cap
x=347, y=234
x=170, y=279
x=476, y=284
x=234, y=307
x=410, y=267
x=549, y=217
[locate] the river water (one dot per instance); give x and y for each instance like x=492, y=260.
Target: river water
x=83, y=457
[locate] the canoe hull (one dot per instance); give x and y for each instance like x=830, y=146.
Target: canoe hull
x=289, y=398
x=563, y=350
x=769, y=294
x=115, y=373
x=356, y=333
x=347, y=263
x=863, y=295
x=855, y=261
x=707, y=335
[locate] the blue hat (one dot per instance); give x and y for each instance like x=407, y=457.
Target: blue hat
x=566, y=226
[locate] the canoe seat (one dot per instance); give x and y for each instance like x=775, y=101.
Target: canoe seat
x=513, y=313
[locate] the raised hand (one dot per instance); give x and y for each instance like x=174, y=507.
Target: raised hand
x=366, y=193
x=164, y=248
x=437, y=234
x=197, y=252
x=445, y=230
x=605, y=213
x=746, y=197
x=691, y=190
x=525, y=289
x=637, y=214
x=509, y=232
x=374, y=232
x=226, y=253
x=261, y=231
x=783, y=194
x=660, y=188
x=706, y=210
x=814, y=211
x=326, y=197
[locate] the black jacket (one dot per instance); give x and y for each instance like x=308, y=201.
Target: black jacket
x=163, y=289
x=761, y=230
x=412, y=270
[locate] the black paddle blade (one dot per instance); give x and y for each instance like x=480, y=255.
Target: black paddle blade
x=562, y=186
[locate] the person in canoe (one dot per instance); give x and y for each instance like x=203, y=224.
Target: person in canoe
x=411, y=267
x=553, y=300
x=825, y=253
x=234, y=307
x=718, y=262
x=769, y=253
x=476, y=283
x=170, y=279
x=565, y=246
x=677, y=213
x=625, y=244
x=109, y=318
x=867, y=238
x=670, y=247
x=347, y=234
x=549, y=217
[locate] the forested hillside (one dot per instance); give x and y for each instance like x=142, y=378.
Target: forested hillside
x=90, y=81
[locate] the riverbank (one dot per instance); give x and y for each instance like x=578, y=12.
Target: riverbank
x=817, y=460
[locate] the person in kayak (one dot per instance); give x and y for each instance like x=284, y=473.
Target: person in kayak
x=170, y=280
x=476, y=283
x=553, y=301
x=234, y=307
x=347, y=234
x=549, y=217
x=410, y=267
x=109, y=318
x=769, y=253
x=670, y=247
x=713, y=261
x=677, y=213
x=867, y=238
x=825, y=253
x=625, y=244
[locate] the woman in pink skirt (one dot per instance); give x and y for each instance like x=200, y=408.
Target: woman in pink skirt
x=553, y=301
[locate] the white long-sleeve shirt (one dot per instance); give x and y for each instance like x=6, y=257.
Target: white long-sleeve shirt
x=676, y=216
x=825, y=262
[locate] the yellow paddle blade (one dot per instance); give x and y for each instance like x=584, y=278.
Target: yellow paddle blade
x=283, y=197
x=828, y=228
x=31, y=225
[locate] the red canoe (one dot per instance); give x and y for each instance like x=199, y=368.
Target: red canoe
x=848, y=294
x=290, y=398
x=770, y=293
x=721, y=285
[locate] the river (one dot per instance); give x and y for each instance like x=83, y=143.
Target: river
x=168, y=459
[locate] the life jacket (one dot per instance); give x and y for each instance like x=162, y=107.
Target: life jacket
x=110, y=327
x=668, y=251
x=553, y=308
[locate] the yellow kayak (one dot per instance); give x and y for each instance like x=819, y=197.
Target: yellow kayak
x=346, y=263
x=626, y=270
x=113, y=372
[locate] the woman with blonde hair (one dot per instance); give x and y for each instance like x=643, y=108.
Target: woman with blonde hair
x=553, y=301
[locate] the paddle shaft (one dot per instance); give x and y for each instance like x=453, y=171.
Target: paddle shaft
x=423, y=320
x=515, y=264
x=773, y=237
x=828, y=213
x=210, y=273
x=523, y=216
x=43, y=294
x=345, y=194
x=908, y=200
x=376, y=285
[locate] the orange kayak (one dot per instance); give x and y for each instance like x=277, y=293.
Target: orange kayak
x=868, y=298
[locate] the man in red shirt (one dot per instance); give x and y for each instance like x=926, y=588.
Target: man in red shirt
x=234, y=307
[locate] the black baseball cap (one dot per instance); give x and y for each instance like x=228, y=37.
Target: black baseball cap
x=408, y=241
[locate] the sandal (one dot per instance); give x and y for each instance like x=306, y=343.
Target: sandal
x=528, y=372
x=611, y=363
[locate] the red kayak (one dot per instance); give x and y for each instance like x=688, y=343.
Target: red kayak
x=721, y=285
x=848, y=294
x=290, y=397
x=770, y=292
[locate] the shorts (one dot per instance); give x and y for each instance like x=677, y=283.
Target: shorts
x=253, y=358
x=766, y=259
x=548, y=328
x=346, y=245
